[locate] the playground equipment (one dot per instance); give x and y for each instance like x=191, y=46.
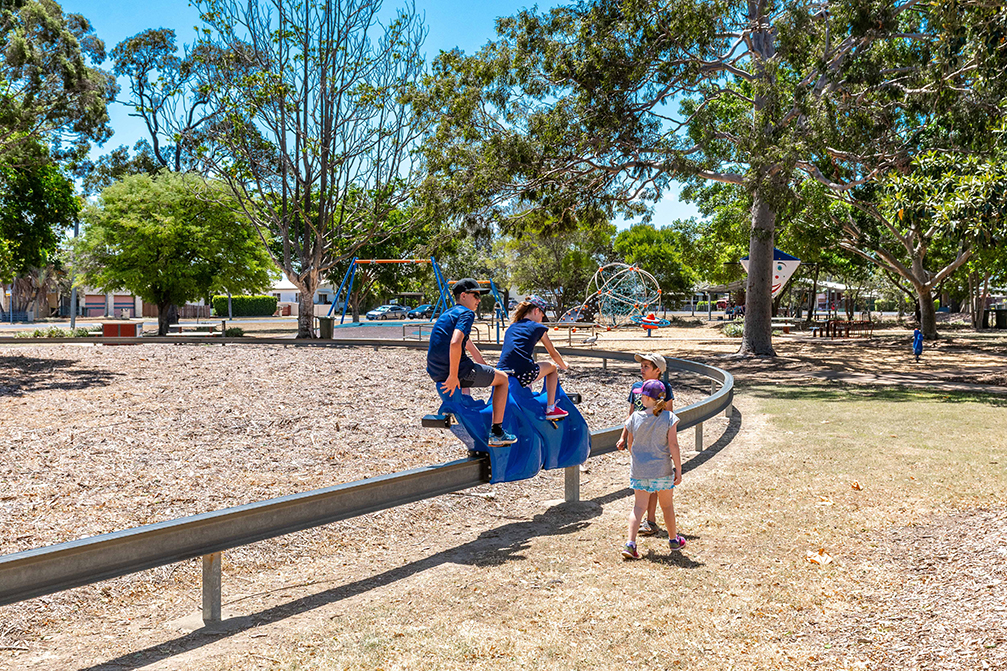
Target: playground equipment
x=541, y=443
x=616, y=295
x=443, y=301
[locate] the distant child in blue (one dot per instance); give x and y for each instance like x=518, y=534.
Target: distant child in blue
x=450, y=368
x=917, y=344
x=526, y=331
x=655, y=463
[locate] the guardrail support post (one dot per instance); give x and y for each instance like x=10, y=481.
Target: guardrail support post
x=604, y=364
x=699, y=437
x=211, y=588
x=727, y=411
x=572, y=484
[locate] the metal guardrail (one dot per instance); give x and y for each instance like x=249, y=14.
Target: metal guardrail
x=55, y=568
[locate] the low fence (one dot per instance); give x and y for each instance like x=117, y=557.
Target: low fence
x=46, y=570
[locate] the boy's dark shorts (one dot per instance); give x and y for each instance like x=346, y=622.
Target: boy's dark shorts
x=472, y=374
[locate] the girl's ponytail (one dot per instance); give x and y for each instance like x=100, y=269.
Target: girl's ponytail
x=659, y=407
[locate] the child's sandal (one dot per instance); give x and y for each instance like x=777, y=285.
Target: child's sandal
x=677, y=543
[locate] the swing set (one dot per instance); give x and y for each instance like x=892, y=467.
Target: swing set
x=443, y=302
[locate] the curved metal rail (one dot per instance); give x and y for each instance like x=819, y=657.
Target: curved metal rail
x=55, y=568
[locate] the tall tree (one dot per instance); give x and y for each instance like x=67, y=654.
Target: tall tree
x=315, y=132
x=52, y=88
x=37, y=204
x=559, y=264
x=928, y=222
x=167, y=92
x=569, y=107
x=169, y=239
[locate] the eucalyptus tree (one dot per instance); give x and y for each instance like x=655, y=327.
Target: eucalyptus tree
x=570, y=107
x=167, y=92
x=314, y=132
x=53, y=90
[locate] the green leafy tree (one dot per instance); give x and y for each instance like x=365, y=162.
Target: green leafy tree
x=168, y=92
x=169, y=239
x=659, y=251
x=569, y=109
x=929, y=221
x=37, y=203
x=314, y=132
x=52, y=88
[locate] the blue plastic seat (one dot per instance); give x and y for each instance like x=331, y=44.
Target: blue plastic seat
x=508, y=463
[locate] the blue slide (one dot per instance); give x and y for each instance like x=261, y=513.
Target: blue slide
x=541, y=443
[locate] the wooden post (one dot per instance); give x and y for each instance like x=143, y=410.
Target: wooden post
x=699, y=437
x=211, y=588
x=572, y=484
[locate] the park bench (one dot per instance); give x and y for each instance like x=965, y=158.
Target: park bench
x=205, y=330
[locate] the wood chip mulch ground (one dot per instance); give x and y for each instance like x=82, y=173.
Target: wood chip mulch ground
x=97, y=439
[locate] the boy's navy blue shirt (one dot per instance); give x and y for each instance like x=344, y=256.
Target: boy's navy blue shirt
x=634, y=399
x=439, y=353
x=519, y=344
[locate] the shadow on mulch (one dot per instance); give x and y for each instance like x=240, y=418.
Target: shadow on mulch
x=493, y=547
x=25, y=374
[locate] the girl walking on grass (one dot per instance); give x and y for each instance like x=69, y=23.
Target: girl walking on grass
x=525, y=331
x=655, y=463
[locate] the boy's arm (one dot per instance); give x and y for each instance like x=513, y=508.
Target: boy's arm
x=556, y=356
x=455, y=357
x=676, y=454
x=477, y=356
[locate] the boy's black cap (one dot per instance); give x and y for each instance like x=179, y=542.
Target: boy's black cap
x=467, y=284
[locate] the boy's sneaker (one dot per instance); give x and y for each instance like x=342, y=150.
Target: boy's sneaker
x=556, y=413
x=648, y=528
x=501, y=438
x=677, y=543
x=629, y=551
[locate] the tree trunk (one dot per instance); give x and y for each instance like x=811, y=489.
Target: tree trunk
x=306, y=315
x=758, y=335
x=164, y=318
x=927, y=315
x=170, y=312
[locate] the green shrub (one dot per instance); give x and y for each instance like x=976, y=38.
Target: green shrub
x=245, y=306
x=234, y=332
x=701, y=306
x=53, y=332
x=734, y=329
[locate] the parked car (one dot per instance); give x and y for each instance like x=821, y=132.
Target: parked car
x=388, y=312
x=425, y=311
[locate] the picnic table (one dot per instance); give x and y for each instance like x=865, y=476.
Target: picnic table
x=842, y=328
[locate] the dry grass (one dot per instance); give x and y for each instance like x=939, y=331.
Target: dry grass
x=552, y=592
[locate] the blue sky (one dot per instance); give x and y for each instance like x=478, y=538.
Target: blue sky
x=466, y=24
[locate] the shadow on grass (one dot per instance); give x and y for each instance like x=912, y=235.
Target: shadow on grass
x=493, y=547
x=839, y=392
x=25, y=374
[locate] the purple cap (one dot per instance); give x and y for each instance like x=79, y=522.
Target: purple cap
x=652, y=388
